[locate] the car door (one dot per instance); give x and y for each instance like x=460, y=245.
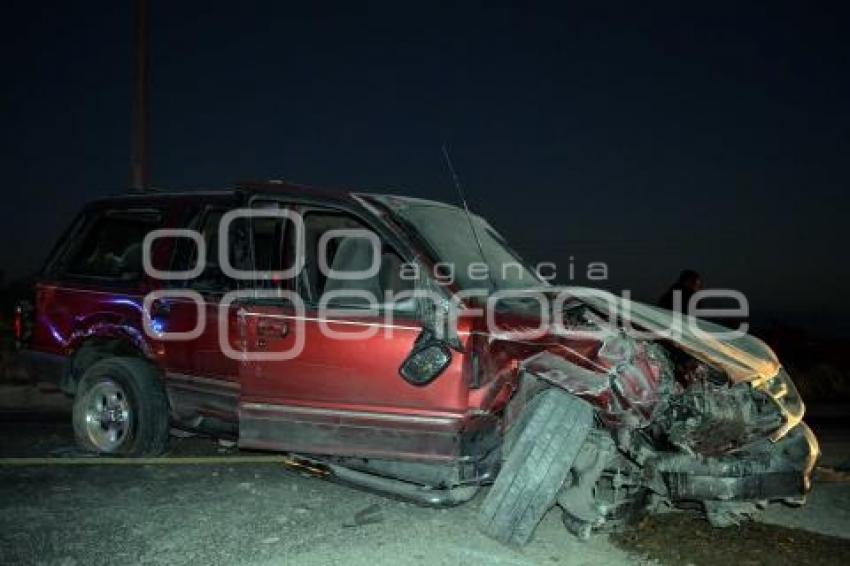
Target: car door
x=202, y=380
x=323, y=375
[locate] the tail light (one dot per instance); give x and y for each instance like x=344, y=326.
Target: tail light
x=22, y=323
x=19, y=323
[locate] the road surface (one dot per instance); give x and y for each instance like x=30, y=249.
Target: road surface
x=232, y=512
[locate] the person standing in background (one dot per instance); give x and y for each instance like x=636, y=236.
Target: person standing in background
x=678, y=296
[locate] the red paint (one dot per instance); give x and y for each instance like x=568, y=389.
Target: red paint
x=359, y=375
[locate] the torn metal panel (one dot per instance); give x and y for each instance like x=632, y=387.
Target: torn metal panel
x=626, y=383
x=742, y=357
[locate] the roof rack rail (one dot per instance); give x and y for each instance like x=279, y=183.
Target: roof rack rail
x=155, y=190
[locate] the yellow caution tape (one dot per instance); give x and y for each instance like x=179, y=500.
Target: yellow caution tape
x=160, y=461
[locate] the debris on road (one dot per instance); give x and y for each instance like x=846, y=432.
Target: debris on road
x=366, y=516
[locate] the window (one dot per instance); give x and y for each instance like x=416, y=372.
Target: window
x=212, y=278
x=346, y=254
x=112, y=246
x=267, y=241
x=264, y=234
x=449, y=232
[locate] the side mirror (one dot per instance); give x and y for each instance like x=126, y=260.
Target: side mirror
x=427, y=360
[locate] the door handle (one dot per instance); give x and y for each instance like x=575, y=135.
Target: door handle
x=272, y=329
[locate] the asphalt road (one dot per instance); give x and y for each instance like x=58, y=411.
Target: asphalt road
x=261, y=513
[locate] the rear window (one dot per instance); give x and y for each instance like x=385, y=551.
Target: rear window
x=111, y=246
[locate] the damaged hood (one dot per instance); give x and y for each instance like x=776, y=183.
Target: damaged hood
x=743, y=357
x=606, y=350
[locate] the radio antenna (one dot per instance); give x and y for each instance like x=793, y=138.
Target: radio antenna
x=462, y=196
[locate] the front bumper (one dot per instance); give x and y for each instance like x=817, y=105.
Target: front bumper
x=769, y=471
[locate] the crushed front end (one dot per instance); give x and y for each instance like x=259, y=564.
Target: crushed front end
x=693, y=421
x=732, y=448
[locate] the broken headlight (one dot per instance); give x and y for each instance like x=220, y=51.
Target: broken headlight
x=782, y=391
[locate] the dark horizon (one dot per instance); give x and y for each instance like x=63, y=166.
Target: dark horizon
x=650, y=139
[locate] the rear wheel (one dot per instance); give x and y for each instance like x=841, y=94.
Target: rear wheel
x=539, y=461
x=120, y=408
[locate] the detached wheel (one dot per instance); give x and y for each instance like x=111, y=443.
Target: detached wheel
x=120, y=408
x=538, y=463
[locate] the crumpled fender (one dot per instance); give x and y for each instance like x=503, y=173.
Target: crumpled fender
x=625, y=383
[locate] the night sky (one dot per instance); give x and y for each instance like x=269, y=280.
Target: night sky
x=652, y=138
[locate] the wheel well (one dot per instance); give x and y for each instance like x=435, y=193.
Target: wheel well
x=92, y=351
x=529, y=386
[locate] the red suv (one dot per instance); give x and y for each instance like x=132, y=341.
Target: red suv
x=399, y=344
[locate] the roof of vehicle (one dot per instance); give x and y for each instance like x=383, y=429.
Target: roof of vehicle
x=399, y=201
x=274, y=187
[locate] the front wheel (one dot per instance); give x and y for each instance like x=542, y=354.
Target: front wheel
x=120, y=408
x=540, y=459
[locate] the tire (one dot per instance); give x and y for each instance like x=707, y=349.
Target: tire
x=535, y=469
x=120, y=408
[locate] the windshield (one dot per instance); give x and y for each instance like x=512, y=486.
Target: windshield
x=447, y=231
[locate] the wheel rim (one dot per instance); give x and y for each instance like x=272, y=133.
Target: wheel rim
x=107, y=415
